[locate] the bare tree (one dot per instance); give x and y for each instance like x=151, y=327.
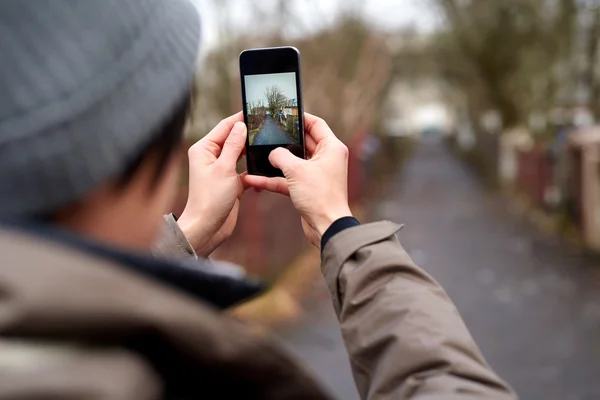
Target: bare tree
x=346, y=66
x=515, y=56
x=275, y=99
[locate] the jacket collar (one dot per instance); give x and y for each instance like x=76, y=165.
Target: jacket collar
x=194, y=277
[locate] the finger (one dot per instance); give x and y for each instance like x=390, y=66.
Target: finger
x=234, y=145
x=311, y=145
x=275, y=185
x=243, y=153
x=284, y=160
x=219, y=133
x=317, y=127
x=243, y=183
x=209, y=147
x=243, y=186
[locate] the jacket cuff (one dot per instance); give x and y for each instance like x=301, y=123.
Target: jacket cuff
x=335, y=228
x=172, y=242
x=343, y=246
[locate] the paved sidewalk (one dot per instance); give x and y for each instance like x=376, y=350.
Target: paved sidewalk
x=271, y=133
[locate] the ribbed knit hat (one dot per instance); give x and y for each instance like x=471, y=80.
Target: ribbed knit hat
x=83, y=86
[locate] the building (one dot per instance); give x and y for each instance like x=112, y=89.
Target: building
x=291, y=108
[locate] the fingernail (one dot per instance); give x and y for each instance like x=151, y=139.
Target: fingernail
x=238, y=128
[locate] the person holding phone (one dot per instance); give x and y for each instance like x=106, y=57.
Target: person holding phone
x=92, y=108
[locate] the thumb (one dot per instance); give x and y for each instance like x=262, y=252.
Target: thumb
x=234, y=144
x=284, y=160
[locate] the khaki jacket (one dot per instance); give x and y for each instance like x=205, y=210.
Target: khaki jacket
x=78, y=325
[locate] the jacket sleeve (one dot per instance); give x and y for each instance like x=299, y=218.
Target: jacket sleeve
x=172, y=242
x=404, y=336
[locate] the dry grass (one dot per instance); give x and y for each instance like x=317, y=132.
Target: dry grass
x=251, y=135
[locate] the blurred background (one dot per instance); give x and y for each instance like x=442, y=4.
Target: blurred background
x=473, y=122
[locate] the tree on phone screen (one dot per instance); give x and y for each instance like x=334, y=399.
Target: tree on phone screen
x=275, y=99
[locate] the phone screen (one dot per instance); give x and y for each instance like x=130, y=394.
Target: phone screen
x=272, y=108
x=272, y=104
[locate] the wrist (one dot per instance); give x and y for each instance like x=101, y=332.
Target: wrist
x=329, y=218
x=192, y=230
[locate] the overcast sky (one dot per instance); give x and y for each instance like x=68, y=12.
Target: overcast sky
x=256, y=85
x=312, y=15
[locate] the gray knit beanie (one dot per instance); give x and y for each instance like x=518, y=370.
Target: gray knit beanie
x=83, y=86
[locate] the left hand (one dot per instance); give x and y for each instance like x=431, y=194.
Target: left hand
x=210, y=214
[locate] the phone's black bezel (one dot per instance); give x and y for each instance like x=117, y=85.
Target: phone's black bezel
x=271, y=60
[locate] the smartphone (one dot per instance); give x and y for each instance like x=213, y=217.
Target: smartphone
x=272, y=105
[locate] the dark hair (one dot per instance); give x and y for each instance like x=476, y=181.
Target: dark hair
x=166, y=139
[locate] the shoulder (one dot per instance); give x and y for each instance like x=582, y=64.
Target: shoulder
x=34, y=369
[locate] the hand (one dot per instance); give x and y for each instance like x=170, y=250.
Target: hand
x=318, y=187
x=210, y=214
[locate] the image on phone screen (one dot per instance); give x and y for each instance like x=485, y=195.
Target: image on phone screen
x=272, y=107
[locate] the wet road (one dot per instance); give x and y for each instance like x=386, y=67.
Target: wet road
x=531, y=302
x=271, y=133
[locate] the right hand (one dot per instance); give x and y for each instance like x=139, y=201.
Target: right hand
x=318, y=186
